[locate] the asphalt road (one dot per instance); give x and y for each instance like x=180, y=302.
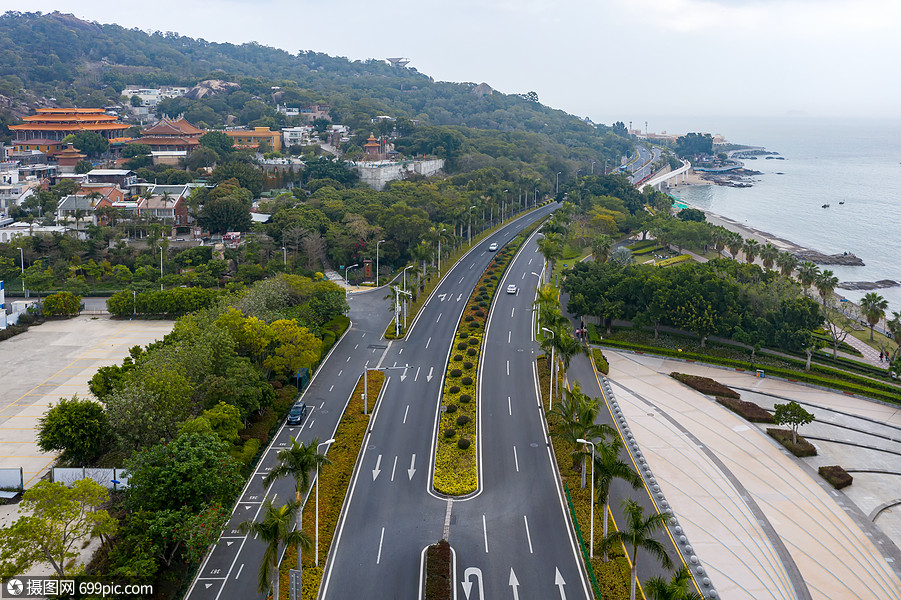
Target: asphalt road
x=390, y=515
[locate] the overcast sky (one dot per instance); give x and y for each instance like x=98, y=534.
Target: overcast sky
x=605, y=59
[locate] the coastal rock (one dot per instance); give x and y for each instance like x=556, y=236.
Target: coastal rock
x=867, y=285
x=846, y=258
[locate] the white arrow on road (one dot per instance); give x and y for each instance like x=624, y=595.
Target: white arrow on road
x=429, y=376
x=207, y=586
x=558, y=581
x=442, y=296
x=467, y=584
x=412, y=470
x=459, y=297
x=514, y=583
x=376, y=470
x=404, y=376
x=229, y=543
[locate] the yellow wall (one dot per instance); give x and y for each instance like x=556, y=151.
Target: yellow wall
x=253, y=138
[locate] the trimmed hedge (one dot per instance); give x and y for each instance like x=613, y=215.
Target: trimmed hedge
x=668, y=262
x=600, y=362
x=438, y=565
x=873, y=389
x=177, y=301
x=784, y=436
x=705, y=385
x=837, y=476
x=748, y=410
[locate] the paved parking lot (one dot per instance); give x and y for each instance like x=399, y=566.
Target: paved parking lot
x=52, y=361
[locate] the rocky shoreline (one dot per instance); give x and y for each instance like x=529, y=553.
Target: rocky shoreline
x=867, y=285
x=847, y=259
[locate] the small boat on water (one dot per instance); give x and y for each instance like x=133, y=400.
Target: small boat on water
x=825, y=206
x=841, y=202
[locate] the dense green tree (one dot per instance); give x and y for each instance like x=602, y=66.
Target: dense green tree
x=190, y=472
x=221, y=215
x=248, y=175
x=75, y=426
x=91, y=143
x=694, y=143
x=62, y=304
x=793, y=415
x=218, y=142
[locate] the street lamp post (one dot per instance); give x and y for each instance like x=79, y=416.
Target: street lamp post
x=161, y=268
x=591, y=547
x=553, y=366
x=366, y=381
x=439, y=251
x=405, y=299
x=377, y=262
x=592, y=167
x=22, y=264
x=285, y=256
x=557, y=185
x=469, y=227
x=326, y=442
x=346, y=271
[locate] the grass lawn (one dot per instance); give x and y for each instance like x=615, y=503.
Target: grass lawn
x=880, y=342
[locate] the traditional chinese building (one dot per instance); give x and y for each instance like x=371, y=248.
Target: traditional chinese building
x=45, y=130
x=171, y=135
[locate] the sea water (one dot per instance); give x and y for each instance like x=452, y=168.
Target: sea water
x=827, y=161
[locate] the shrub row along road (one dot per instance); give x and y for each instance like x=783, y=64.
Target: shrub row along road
x=391, y=515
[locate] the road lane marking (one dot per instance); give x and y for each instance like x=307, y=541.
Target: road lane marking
x=377, y=470
x=515, y=459
x=348, y=359
x=512, y=310
x=331, y=388
x=412, y=470
x=528, y=535
x=461, y=279
x=381, y=539
x=523, y=276
x=321, y=404
x=485, y=531
x=509, y=407
x=357, y=346
x=509, y=335
x=394, y=468
x=415, y=377
x=508, y=367
x=401, y=351
x=472, y=265
x=439, y=317
x=405, y=414
x=530, y=262
x=427, y=343
x=339, y=372
x=241, y=568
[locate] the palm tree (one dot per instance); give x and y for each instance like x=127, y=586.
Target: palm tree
x=825, y=284
x=577, y=412
x=894, y=327
x=551, y=247
x=607, y=467
x=297, y=461
x=873, y=306
x=600, y=247
x=638, y=533
x=621, y=256
x=678, y=588
x=719, y=236
x=751, y=248
x=735, y=243
x=769, y=254
x=275, y=531
x=786, y=262
x=807, y=273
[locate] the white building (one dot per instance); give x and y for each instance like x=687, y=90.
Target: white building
x=14, y=190
x=297, y=136
x=150, y=97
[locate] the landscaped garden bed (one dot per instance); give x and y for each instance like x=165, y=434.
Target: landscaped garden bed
x=748, y=410
x=837, y=476
x=456, y=464
x=438, y=576
x=705, y=385
x=801, y=448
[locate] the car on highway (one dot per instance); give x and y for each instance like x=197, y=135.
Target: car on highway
x=297, y=413
x=511, y=289
x=493, y=247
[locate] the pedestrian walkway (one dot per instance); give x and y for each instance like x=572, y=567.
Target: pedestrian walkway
x=870, y=354
x=758, y=521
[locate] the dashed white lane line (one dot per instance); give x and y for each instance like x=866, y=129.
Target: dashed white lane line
x=381, y=539
x=405, y=414
x=485, y=530
x=515, y=459
x=528, y=535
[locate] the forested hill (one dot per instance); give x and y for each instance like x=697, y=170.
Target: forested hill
x=87, y=64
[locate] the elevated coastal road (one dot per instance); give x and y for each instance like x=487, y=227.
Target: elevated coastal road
x=390, y=515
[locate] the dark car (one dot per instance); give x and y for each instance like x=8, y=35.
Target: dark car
x=297, y=414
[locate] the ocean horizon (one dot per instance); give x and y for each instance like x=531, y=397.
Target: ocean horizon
x=854, y=165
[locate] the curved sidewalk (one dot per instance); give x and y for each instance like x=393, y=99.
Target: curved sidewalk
x=759, y=523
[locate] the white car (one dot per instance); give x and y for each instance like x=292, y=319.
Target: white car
x=511, y=289
x=493, y=247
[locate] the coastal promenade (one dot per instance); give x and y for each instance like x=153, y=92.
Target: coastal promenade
x=761, y=522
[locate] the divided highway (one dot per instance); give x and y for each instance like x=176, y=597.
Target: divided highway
x=390, y=515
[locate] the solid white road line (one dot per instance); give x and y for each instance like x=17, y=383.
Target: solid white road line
x=528, y=535
x=381, y=539
x=515, y=459
x=485, y=530
x=405, y=414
